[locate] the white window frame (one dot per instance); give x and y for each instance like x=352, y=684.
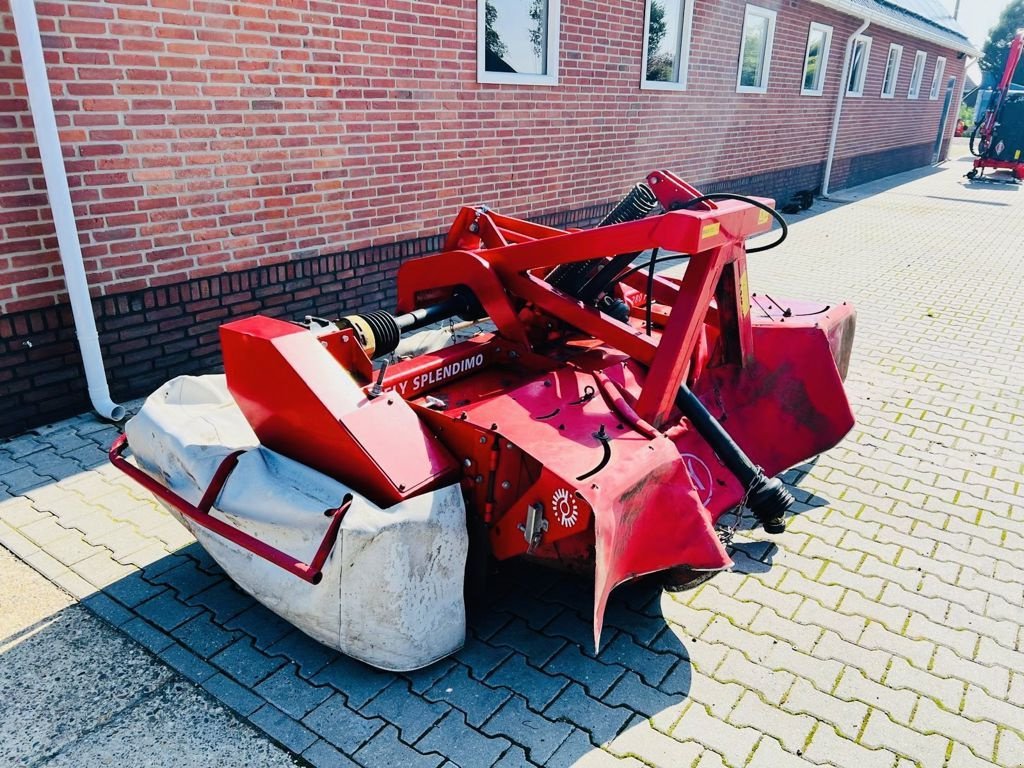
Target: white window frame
x=769, y=14
x=859, y=91
x=937, y=75
x=553, y=31
x=917, y=74
x=816, y=27
x=891, y=91
x=684, y=51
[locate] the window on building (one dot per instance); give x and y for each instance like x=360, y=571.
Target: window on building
x=916, y=76
x=940, y=68
x=819, y=39
x=517, y=41
x=756, y=50
x=667, y=45
x=858, y=65
x=892, y=71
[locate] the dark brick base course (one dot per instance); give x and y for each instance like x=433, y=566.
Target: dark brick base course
x=151, y=335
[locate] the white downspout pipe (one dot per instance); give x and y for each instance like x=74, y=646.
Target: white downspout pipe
x=845, y=77
x=26, y=24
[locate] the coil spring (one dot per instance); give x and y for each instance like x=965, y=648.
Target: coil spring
x=571, y=278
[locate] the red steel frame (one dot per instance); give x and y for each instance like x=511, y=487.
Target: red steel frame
x=311, y=572
x=517, y=254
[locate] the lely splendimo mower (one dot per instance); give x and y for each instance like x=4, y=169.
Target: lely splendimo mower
x=578, y=409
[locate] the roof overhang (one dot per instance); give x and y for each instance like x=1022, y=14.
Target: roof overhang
x=890, y=21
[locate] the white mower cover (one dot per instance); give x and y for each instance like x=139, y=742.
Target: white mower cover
x=391, y=593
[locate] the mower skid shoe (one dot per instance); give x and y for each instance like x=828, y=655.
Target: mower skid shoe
x=656, y=525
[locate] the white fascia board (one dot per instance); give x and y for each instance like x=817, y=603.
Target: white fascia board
x=887, y=21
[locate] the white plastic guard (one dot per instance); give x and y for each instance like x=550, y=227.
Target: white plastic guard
x=392, y=588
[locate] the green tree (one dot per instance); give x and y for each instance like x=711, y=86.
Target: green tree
x=660, y=66
x=997, y=46
x=539, y=15
x=492, y=39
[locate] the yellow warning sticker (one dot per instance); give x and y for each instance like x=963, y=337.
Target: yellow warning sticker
x=762, y=217
x=1016, y=155
x=744, y=295
x=710, y=230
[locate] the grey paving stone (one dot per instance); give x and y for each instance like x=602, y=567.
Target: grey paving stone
x=476, y=700
x=261, y=624
x=482, y=658
x=224, y=600
x=187, y=663
x=342, y=726
x=386, y=749
x=133, y=589
x=623, y=650
x=166, y=611
x=486, y=622
x=290, y=693
x=409, y=712
x=534, y=645
x=535, y=612
x=421, y=680
x=107, y=609
x=246, y=664
x=599, y=720
x=466, y=746
x=596, y=676
x=323, y=755
x=146, y=634
x=569, y=625
x=573, y=748
x=515, y=757
x=307, y=653
x=538, y=688
x=635, y=694
x=203, y=636
x=187, y=579
x=24, y=479
x=539, y=735
x=282, y=728
x=359, y=682
x=231, y=694
x=644, y=628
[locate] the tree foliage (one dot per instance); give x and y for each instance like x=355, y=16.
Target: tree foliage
x=997, y=46
x=660, y=66
x=492, y=39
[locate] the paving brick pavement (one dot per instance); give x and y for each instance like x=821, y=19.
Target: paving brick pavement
x=884, y=629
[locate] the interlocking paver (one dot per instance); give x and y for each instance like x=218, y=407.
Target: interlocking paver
x=342, y=726
x=468, y=747
x=539, y=735
x=538, y=688
x=601, y=721
x=477, y=700
x=413, y=716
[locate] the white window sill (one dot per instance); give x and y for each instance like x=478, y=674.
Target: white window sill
x=751, y=89
x=812, y=93
x=661, y=85
x=508, y=78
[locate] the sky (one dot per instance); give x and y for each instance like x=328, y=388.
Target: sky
x=977, y=17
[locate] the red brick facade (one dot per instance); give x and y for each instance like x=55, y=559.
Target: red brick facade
x=204, y=137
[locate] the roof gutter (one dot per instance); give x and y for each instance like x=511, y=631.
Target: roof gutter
x=843, y=82
x=886, y=20
x=26, y=25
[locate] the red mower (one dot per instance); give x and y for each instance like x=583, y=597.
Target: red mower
x=574, y=407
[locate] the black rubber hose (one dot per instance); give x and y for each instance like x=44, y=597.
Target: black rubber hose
x=766, y=496
x=750, y=201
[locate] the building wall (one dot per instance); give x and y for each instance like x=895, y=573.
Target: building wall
x=210, y=137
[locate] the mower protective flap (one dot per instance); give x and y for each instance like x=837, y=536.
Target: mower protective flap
x=391, y=592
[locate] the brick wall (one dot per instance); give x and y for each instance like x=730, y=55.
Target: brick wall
x=210, y=136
